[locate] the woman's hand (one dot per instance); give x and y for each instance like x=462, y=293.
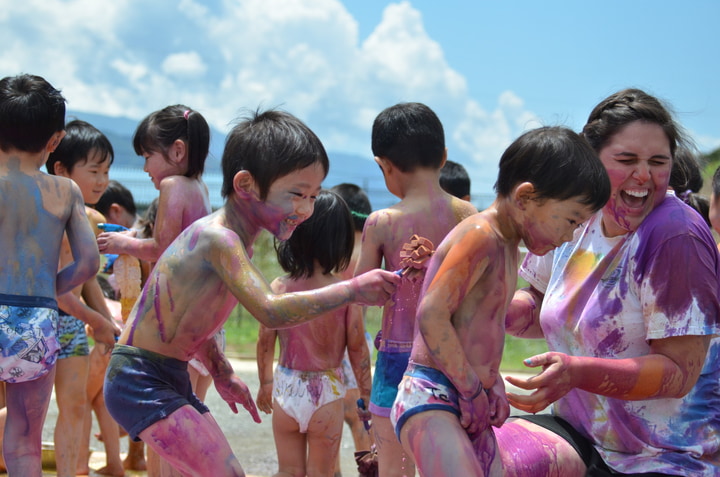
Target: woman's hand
x=551, y=384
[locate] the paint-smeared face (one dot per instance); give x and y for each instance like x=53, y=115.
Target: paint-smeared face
x=291, y=200
x=550, y=222
x=92, y=176
x=638, y=161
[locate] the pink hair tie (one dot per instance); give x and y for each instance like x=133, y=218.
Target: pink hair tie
x=186, y=114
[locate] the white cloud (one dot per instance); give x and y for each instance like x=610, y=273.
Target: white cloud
x=184, y=64
x=129, y=57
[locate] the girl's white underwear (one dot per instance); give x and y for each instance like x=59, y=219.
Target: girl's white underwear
x=301, y=393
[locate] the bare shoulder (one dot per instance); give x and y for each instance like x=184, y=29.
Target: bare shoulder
x=462, y=208
x=95, y=218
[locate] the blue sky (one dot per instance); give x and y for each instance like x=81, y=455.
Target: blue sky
x=489, y=69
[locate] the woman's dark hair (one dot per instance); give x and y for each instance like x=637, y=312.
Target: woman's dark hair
x=326, y=238
x=624, y=107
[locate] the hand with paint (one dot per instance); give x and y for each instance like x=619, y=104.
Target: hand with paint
x=374, y=288
x=115, y=242
x=475, y=412
x=498, y=401
x=364, y=414
x=233, y=390
x=552, y=383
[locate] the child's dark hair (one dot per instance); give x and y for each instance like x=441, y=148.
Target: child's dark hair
x=357, y=201
x=327, y=238
x=558, y=163
x=116, y=193
x=409, y=135
x=81, y=139
x=31, y=111
x=455, y=180
x=159, y=130
x=270, y=145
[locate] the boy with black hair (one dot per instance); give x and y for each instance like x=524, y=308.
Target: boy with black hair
x=38, y=209
x=273, y=166
x=408, y=142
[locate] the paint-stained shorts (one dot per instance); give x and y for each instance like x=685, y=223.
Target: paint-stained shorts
x=28, y=337
x=72, y=336
x=389, y=370
x=301, y=393
x=142, y=387
x=423, y=389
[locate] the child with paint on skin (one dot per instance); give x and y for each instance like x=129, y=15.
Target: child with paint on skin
x=84, y=155
x=175, y=142
x=37, y=211
x=359, y=205
x=273, y=166
x=117, y=206
x=409, y=146
x=305, y=394
x=549, y=182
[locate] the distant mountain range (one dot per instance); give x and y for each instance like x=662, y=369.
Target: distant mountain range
x=344, y=167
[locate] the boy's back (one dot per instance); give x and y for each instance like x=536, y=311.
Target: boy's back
x=430, y=215
x=36, y=209
x=409, y=146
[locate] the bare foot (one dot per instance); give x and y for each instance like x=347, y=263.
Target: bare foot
x=132, y=462
x=108, y=471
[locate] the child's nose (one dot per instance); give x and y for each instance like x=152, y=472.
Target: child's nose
x=306, y=208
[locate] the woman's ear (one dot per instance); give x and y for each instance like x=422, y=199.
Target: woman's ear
x=244, y=185
x=524, y=193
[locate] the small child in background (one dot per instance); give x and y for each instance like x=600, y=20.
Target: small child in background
x=550, y=181
x=175, y=142
x=84, y=156
x=117, y=205
x=455, y=180
x=305, y=395
x=686, y=180
x=408, y=142
x=273, y=167
x=360, y=208
x=38, y=210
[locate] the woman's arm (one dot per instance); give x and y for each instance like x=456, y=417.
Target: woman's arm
x=670, y=371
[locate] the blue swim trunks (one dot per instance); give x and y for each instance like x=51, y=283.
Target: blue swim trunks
x=28, y=337
x=142, y=387
x=72, y=336
x=389, y=370
x=423, y=389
